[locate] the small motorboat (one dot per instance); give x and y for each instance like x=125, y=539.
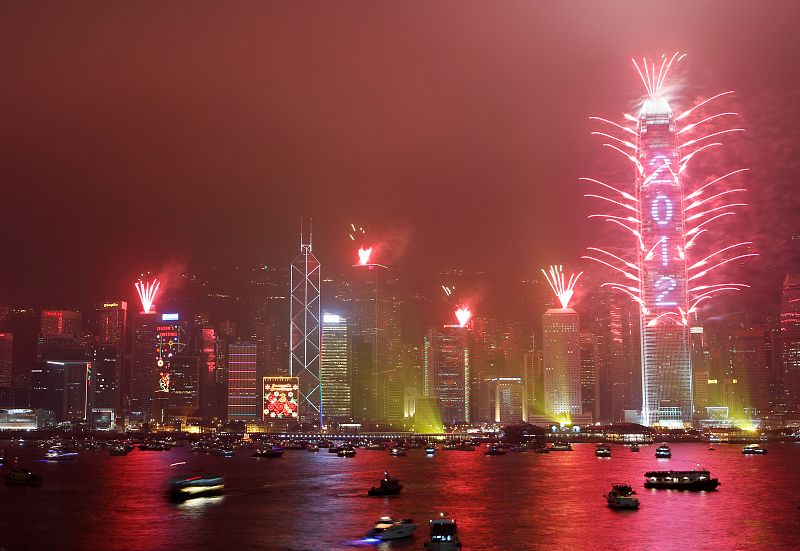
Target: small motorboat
x=663, y=452
x=312, y=448
x=622, y=496
x=388, y=486
x=120, y=449
x=398, y=452
x=56, y=454
x=271, y=452
x=519, y=448
x=711, y=448
x=188, y=487
x=22, y=477
x=602, y=450
x=223, y=452
x=543, y=449
x=377, y=446
x=388, y=528
x=634, y=447
x=561, y=447
x=495, y=450
x=348, y=451
x=443, y=535
x=430, y=449
x=754, y=449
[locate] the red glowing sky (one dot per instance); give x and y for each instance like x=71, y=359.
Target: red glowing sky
x=134, y=132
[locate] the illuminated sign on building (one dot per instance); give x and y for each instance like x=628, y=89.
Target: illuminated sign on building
x=281, y=397
x=170, y=317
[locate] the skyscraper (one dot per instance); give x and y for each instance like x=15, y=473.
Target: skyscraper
x=60, y=324
x=112, y=323
x=374, y=327
x=790, y=341
x=589, y=374
x=334, y=370
x=243, y=391
x=6, y=355
x=304, y=333
x=447, y=372
x=144, y=368
x=562, y=363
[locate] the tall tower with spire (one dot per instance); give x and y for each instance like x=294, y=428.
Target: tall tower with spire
x=304, y=331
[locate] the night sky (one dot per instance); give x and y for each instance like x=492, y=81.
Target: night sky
x=137, y=135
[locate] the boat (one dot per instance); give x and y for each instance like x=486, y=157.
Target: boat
x=754, y=449
x=154, y=447
x=518, y=449
x=543, y=449
x=561, y=447
x=712, y=448
x=430, y=449
x=634, y=447
x=388, y=486
x=375, y=446
x=398, y=452
x=23, y=477
x=120, y=449
x=334, y=449
x=325, y=443
x=223, y=452
x=443, y=534
x=272, y=452
x=181, y=489
x=459, y=446
x=680, y=480
x=494, y=450
x=663, y=452
x=622, y=496
x=388, y=528
x=602, y=450
x=348, y=451
x=55, y=454
x=312, y=448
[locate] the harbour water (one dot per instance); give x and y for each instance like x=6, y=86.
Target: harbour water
x=318, y=501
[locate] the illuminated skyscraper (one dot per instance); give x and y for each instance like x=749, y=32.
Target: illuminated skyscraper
x=790, y=341
x=447, y=372
x=589, y=365
x=304, y=333
x=334, y=370
x=243, y=391
x=374, y=328
x=112, y=323
x=562, y=362
x=60, y=324
x=6, y=354
x=672, y=268
x=144, y=369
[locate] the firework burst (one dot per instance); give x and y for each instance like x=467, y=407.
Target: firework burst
x=562, y=286
x=147, y=293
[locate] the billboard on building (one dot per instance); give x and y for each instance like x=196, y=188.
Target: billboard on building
x=281, y=398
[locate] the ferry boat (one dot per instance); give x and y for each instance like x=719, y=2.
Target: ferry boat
x=388, y=486
x=22, y=477
x=398, y=452
x=388, y=528
x=271, y=452
x=634, y=447
x=754, y=449
x=622, y=496
x=443, y=535
x=602, y=450
x=561, y=447
x=680, y=480
x=663, y=452
x=181, y=489
x=55, y=454
x=495, y=450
